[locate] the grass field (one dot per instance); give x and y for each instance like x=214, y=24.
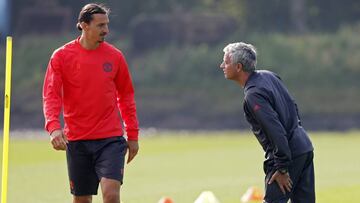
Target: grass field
x=182, y=165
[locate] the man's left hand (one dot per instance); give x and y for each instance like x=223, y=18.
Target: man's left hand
x=283, y=180
x=133, y=148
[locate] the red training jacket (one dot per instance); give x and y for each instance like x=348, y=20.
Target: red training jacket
x=91, y=86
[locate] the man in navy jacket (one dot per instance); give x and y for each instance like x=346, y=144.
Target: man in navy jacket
x=274, y=119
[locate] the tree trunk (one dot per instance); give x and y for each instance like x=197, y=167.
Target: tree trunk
x=298, y=16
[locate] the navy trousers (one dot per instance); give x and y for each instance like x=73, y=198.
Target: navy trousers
x=301, y=172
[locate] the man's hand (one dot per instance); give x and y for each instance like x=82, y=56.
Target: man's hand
x=58, y=140
x=283, y=180
x=133, y=148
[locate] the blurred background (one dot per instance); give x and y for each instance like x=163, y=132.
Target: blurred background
x=174, y=49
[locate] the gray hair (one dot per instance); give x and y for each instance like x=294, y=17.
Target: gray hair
x=243, y=53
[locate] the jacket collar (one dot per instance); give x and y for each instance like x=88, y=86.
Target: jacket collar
x=250, y=81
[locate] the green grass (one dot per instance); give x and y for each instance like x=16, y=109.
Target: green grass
x=183, y=165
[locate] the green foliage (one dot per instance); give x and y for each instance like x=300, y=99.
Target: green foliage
x=319, y=68
x=316, y=68
x=30, y=58
x=321, y=71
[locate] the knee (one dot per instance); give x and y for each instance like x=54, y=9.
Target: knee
x=82, y=199
x=111, y=196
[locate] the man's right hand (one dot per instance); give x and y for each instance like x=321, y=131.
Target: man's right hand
x=283, y=180
x=58, y=140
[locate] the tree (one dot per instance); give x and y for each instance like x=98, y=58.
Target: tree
x=298, y=15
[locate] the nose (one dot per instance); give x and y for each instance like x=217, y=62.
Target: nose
x=106, y=29
x=222, y=65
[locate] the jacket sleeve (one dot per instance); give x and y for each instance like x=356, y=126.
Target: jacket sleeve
x=126, y=100
x=260, y=106
x=52, y=94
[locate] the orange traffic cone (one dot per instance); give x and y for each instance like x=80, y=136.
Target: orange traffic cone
x=166, y=200
x=252, y=194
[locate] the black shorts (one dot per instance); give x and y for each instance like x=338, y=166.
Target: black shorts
x=90, y=160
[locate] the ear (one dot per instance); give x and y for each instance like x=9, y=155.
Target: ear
x=83, y=25
x=239, y=67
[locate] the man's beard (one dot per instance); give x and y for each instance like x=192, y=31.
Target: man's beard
x=102, y=38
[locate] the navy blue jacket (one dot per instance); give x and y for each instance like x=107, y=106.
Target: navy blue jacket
x=274, y=119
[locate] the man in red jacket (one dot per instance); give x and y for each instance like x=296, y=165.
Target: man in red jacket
x=90, y=80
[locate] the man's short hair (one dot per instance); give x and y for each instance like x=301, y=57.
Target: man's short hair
x=242, y=53
x=88, y=10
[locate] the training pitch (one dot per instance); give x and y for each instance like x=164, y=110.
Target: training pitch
x=183, y=164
